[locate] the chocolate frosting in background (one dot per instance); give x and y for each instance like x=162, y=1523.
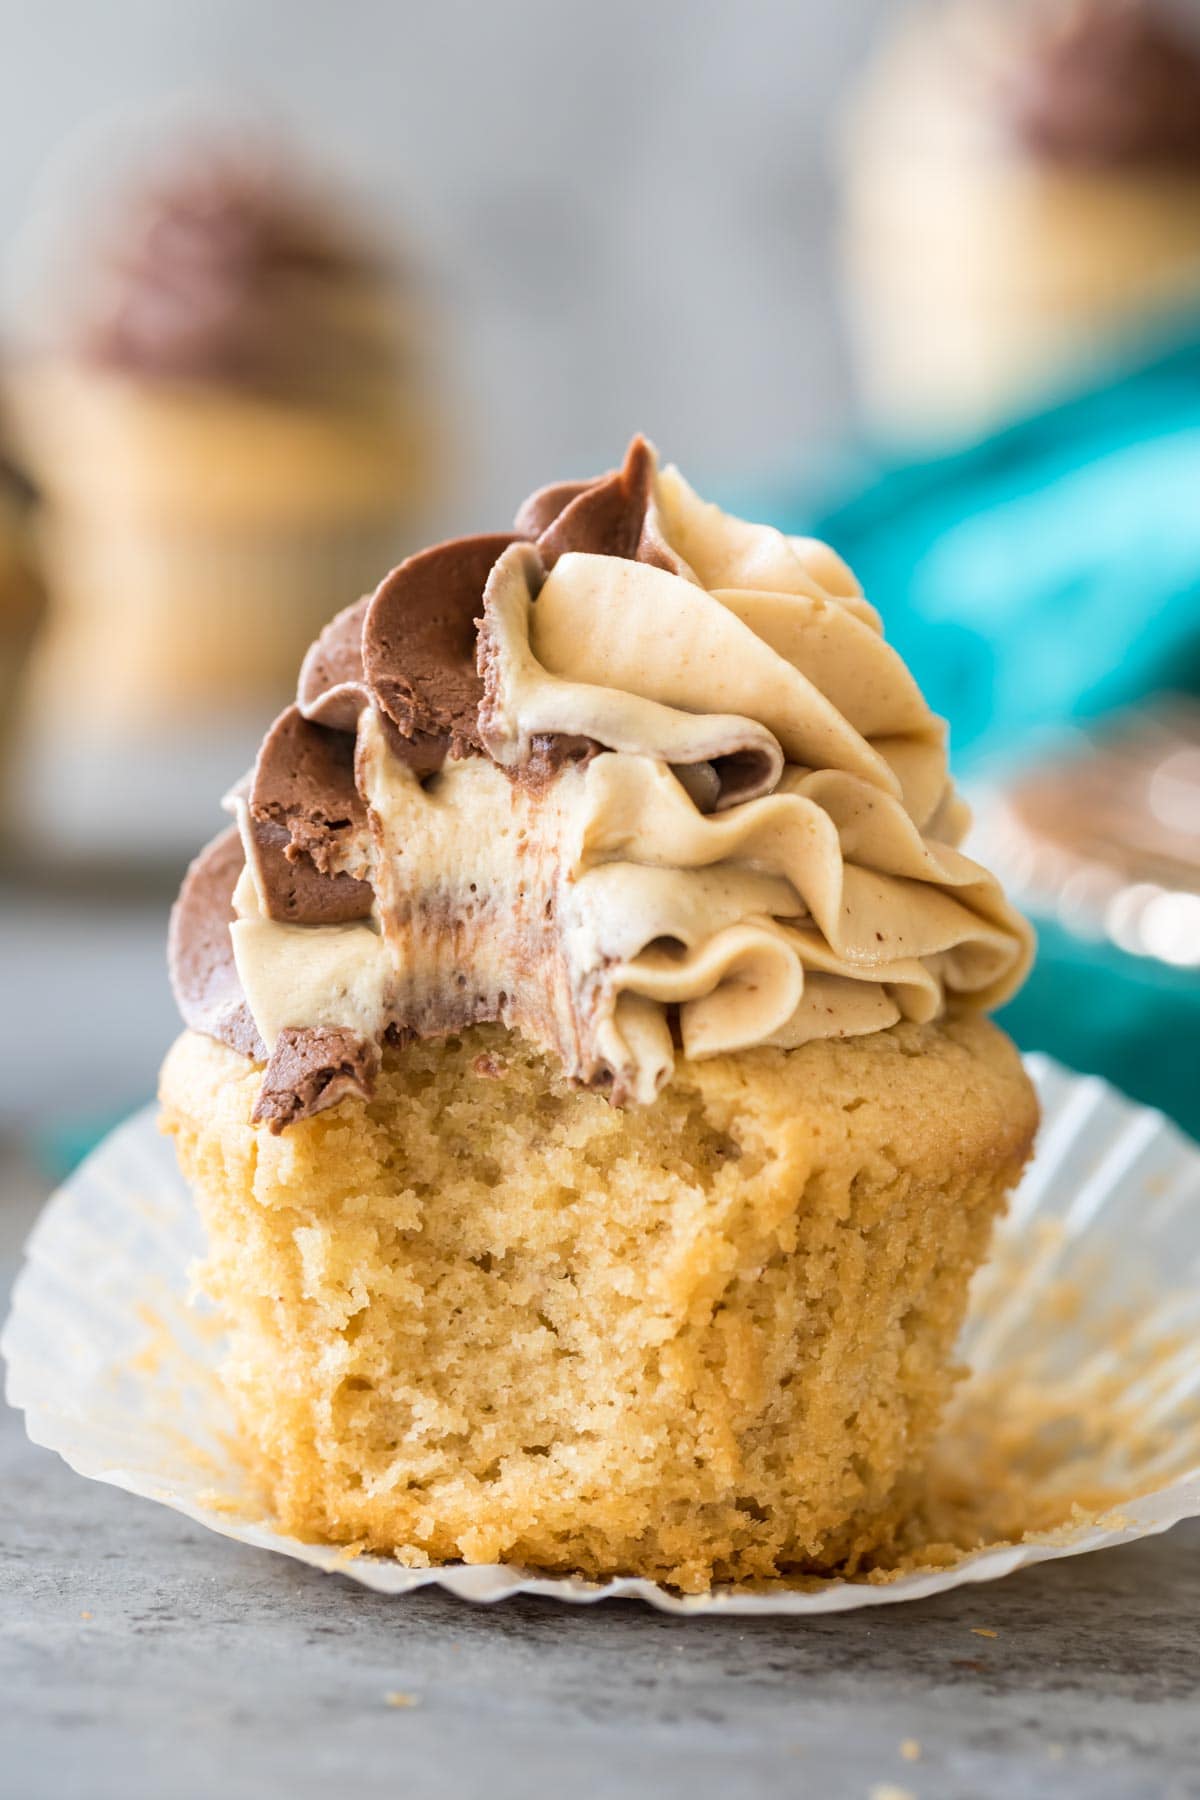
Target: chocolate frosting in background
x=633, y=778
x=1101, y=83
x=224, y=266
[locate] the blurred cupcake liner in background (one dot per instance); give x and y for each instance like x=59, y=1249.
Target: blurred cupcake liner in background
x=225, y=409
x=21, y=594
x=1022, y=182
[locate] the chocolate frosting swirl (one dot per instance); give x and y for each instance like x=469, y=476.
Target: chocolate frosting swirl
x=419, y=648
x=633, y=775
x=200, y=949
x=224, y=267
x=1105, y=83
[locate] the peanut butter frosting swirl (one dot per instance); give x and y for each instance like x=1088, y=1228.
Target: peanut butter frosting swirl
x=638, y=779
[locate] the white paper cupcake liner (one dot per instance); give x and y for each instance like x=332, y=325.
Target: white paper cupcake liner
x=1083, y=1338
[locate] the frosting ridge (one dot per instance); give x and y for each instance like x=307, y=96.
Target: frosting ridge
x=635, y=779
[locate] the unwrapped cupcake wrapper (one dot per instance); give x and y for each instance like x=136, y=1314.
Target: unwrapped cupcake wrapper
x=1083, y=1339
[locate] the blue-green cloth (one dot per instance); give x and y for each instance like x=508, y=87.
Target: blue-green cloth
x=1048, y=575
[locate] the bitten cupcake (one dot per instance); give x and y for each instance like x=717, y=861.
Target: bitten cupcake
x=587, y=1089
x=224, y=416
x=1022, y=204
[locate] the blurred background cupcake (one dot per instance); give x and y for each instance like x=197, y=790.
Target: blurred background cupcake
x=220, y=401
x=21, y=594
x=1022, y=203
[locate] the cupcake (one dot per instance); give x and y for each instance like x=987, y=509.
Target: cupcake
x=1022, y=204
x=224, y=421
x=586, y=1087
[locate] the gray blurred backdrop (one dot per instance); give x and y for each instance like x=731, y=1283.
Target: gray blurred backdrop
x=625, y=206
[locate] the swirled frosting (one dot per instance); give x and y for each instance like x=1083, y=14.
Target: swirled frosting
x=637, y=779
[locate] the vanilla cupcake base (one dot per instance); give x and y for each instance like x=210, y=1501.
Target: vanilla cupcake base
x=485, y=1317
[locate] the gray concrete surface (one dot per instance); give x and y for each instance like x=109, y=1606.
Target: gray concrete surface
x=142, y=1658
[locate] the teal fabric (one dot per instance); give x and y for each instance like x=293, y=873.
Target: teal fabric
x=1050, y=575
